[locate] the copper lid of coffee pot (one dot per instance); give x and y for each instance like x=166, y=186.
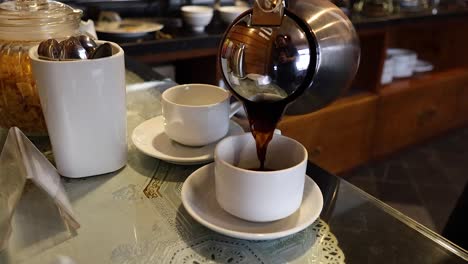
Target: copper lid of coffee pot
x=303, y=51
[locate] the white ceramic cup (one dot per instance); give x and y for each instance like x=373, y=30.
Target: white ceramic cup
x=197, y=114
x=259, y=196
x=85, y=110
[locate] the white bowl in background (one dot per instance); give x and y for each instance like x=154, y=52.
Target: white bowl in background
x=197, y=17
x=229, y=13
x=404, y=62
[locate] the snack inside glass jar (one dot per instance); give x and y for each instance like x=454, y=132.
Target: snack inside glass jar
x=23, y=24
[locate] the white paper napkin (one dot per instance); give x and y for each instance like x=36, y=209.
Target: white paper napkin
x=20, y=162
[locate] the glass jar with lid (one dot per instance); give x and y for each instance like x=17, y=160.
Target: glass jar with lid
x=23, y=24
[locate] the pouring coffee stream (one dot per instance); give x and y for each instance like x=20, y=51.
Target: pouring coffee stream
x=264, y=113
x=291, y=57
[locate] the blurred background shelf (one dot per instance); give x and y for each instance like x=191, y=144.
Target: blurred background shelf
x=367, y=125
x=371, y=120
x=413, y=110
x=338, y=137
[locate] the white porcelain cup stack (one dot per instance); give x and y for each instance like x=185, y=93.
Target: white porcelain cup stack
x=404, y=62
x=387, y=72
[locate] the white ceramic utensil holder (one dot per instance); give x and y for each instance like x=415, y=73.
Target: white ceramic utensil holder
x=85, y=110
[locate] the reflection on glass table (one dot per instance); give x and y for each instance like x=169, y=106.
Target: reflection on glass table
x=135, y=215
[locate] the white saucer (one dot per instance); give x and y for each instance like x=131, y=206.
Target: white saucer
x=198, y=198
x=149, y=138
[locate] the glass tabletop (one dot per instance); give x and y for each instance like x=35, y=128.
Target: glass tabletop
x=135, y=215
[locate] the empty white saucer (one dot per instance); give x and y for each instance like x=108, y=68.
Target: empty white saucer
x=199, y=199
x=149, y=138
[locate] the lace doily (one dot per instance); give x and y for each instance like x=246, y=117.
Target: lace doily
x=220, y=249
x=175, y=237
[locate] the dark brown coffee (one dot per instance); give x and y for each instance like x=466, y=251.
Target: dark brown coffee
x=264, y=112
x=258, y=169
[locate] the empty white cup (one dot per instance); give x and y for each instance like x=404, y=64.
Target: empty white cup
x=197, y=114
x=259, y=196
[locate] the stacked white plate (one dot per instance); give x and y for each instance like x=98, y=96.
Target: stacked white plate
x=423, y=66
x=387, y=73
x=402, y=63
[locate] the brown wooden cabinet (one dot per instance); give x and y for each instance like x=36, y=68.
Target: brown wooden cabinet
x=462, y=103
x=376, y=119
x=339, y=137
x=413, y=110
x=367, y=125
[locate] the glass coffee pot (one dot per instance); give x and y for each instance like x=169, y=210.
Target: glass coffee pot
x=295, y=56
x=303, y=53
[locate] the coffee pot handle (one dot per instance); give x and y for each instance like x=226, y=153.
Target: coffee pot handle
x=268, y=12
x=238, y=61
x=235, y=107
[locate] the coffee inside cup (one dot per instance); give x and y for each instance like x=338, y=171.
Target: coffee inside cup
x=242, y=153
